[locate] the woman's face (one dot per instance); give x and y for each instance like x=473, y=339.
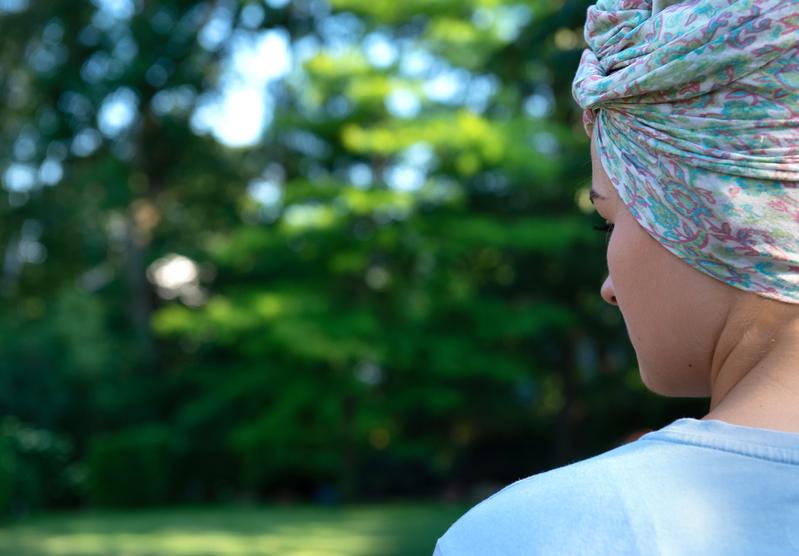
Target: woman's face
x=673, y=313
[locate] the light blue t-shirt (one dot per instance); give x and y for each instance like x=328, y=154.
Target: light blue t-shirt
x=695, y=487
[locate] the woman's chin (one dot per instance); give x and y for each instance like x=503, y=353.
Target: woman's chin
x=672, y=385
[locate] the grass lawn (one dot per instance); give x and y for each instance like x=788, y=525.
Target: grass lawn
x=381, y=530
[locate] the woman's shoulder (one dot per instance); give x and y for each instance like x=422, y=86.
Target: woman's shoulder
x=679, y=478
x=545, y=510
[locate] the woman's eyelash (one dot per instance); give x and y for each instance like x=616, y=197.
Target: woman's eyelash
x=605, y=228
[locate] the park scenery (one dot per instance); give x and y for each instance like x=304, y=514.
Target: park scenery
x=302, y=277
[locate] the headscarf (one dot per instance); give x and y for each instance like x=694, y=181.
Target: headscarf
x=694, y=107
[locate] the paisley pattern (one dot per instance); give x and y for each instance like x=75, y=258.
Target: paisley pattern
x=694, y=107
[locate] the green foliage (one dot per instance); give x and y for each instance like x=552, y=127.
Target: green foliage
x=9, y=468
x=130, y=467
x=391, y=289
x=35, y=470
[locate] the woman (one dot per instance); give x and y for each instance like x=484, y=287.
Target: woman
x=693, y=112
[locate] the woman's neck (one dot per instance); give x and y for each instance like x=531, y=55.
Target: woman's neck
x=755, y=380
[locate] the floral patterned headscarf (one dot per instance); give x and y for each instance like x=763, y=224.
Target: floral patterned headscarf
x=694, y=107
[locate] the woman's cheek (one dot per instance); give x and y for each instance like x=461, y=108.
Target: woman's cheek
x=612, y=258
x=623, y=268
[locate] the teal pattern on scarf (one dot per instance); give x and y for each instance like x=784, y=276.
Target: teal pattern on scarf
x=694, y=108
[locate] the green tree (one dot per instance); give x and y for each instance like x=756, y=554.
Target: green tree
x=393, y=287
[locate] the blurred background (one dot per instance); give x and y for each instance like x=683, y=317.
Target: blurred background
x=295, y=277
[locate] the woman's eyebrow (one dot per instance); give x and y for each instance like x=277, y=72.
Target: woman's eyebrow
x=594, y=195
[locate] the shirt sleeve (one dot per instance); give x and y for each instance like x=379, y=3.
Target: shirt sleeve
x=438, y=551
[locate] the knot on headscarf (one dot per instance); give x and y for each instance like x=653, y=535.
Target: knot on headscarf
x=694, y=106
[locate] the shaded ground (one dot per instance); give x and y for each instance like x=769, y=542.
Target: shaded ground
x=385, y=530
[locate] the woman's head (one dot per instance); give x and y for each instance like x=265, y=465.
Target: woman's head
x=673, y=312
x=682, y=323
x=695, y=113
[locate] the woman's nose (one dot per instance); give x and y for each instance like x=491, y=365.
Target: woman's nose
x=607, y=292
